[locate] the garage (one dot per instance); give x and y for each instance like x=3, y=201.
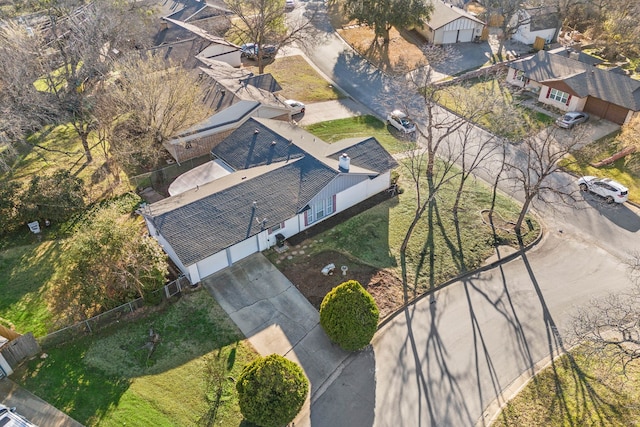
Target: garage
x=606, y=110
x=449, y=37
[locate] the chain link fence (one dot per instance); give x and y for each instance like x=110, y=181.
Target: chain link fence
x=96, y=323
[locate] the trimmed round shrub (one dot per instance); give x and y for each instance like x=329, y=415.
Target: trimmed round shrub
x=349, y=316
x=271, y=391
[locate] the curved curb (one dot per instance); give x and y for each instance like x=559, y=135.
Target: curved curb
x=462, y=276
x=494, y=408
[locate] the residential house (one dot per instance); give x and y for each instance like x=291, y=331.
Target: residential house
x=234, y=95
x=534, y=22
x=450, y=24
x=569, y=84
x=281, y=180
x=193, y=30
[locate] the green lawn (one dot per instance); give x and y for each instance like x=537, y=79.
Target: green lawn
x=374, y=236
x=107, y=380
x=361, y=126
x=450, y=96
x=299, y=80
x=625, y=170
x=577, y=391
x=24, y=274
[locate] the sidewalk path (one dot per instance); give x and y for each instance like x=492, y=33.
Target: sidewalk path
x=32, y=407
x=277, y=318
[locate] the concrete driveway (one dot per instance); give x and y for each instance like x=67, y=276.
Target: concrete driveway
x=32, y=407
x=277, y=318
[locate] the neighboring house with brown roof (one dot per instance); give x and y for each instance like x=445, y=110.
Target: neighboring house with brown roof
x=450, y=24
x=234, y=95
x=277, y=179
x=572, y=85
x=535, y=22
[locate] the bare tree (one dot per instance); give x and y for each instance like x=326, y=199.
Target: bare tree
x=611, y=324
x=59, y=63
x=511, y=13
x=149, y=102
x=448, y=148
x=533, y=165
x=264, y=22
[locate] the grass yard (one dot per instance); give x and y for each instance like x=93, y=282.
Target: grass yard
x=577, y=391
x=61, y=148
x=24, y=274
x=480, y=88
x=299, y=80
x=107, y=380
x=625, y=170
x=361, y=126
x=437, y=250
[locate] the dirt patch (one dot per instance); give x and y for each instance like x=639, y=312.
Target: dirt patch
x=305, y=273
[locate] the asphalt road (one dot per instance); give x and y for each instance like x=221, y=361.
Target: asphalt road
x=442, y=361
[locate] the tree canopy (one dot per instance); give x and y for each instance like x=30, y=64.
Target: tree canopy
x=349, y=315
x=271, y=391
x=107, y=261
x=382, y=15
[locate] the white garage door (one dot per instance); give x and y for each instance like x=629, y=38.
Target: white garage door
x=465, y=36
x=449, y=37
x=212, y=264
x=243, y=249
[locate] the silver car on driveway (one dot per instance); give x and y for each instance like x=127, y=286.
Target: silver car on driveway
x=571, y=119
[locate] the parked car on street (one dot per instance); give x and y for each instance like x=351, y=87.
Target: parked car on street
x=611, y=190
x=571, y=119
x=400, y=121
x=10, y=418
x=250, y=51
x=289, y=4
x=297, y=107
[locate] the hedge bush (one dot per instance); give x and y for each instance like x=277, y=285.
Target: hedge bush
x=349, y=316
x=271, y=391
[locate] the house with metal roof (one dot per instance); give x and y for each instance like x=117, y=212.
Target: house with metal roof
x=278, y=180
x=569, y=84
x=450, y=24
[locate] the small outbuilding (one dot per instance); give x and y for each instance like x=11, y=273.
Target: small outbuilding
x=449, y=24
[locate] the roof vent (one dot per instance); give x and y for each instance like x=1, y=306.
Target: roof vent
x=344, y=163
x=273, y=143
x=256, y=130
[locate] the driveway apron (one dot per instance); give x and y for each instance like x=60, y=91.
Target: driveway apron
x=32, y=407
x=276, y=318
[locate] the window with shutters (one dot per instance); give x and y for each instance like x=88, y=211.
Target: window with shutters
x=559, y=96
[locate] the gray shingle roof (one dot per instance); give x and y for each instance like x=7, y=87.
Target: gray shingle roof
x=289, y=173
x=213, y=223
x=583, y=79
x=254, y=144
x=368, y=154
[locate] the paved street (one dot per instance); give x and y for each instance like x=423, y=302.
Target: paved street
x=446, y=358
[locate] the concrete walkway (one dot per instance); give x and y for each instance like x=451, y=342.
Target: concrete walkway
x=277, y=318
x=32, y=407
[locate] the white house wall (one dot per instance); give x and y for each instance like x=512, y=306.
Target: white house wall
x=523, y=35
x=209, y=265
x=461, y=30
x=243, y=249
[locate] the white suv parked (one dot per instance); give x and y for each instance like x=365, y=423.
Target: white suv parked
x=611, y=190
x=400, y=121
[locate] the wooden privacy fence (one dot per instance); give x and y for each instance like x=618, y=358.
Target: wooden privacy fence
x=19, y=349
